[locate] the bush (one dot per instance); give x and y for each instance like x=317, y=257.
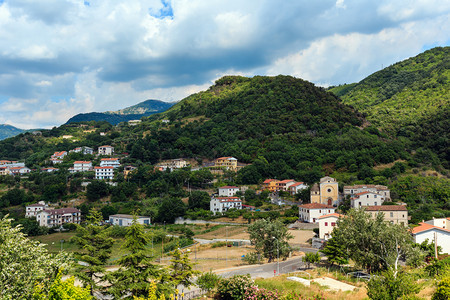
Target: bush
x=234, y=288
x=208, y=281
x=311, y=258
x=69, y=226
x=256, y=293
x=117, y=231
x=443, y=290
x=387, y=286
x=218, y=244
x=252, y=258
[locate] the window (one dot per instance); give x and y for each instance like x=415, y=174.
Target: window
x=329, y=190
x=376, y=203
x=392, y=214
x=375, y=196
x=326, y=223
x=333, y=224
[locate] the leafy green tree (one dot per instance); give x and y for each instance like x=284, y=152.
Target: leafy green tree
x=391, y=285
x=96, y=246
x=373, y=243
x=270, y=237
x=96, y=189
x=136, y=269
x=62, y=290
x=208, y=281
x=181, y=269
x=311, y=258
x=170, y=209
x=24, y=263
x=335, y=252
x=199, y=200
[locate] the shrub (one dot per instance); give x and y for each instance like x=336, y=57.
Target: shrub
x=234, y=288
x=388, y=286
x=208, y=281
x=117, y=231
x=443, y=290
x=252, y=258
x=256, y=293
x=218, y=244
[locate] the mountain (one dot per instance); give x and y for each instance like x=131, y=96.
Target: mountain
x=286, y=127
x=134, y=112
x=408, y=99
x=401, y=94
x=7, y=131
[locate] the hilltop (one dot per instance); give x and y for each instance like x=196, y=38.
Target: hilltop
x=134, y=112
x=416, y=88
x=7, y=131
x=408, y=99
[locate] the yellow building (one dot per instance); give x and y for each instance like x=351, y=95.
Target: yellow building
x=326, y=192
x=229, y=163
x=315, y=193
x=329, y=190
x=270, y=185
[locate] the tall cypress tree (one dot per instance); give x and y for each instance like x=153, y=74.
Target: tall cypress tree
x=96, y=251
x=136, y=269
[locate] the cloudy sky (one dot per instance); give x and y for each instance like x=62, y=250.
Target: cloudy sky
x=62, y=57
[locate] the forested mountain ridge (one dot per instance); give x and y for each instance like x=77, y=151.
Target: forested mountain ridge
x=134, y=112
x=286, y=126
x=401, y=94
x=7, y=131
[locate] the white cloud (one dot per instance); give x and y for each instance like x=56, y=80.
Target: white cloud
x=71, y=57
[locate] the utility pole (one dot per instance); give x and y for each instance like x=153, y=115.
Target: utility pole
x=278, y=255
x=226, y=244
x=435, y=246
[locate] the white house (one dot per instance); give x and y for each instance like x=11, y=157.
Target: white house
x=327, y=224
x=85, y=150
x=19, y=170
x=81, y=166
x=58, y=157
x=222, y=204
x=228, y=191
x=105, y=150
x=395, y=214
x=284, y=185
x=429, y=231
x=297, y=187
x=58, y=217
x=350, y=190
x=33, y=209
x=104, y=173
x=312, y=211
x=110, y=162
x=366, y=199
x=127, y=220
x=172, y=164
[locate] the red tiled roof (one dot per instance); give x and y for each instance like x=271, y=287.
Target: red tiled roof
x=316, y=206
x=296, y=184
x=229, y=187
x=362, y=193
x=386, y=208
x=233, y=198
x=81, y=162
x=269, y=180
x=425, y=226
x=103, y=167
x=61, y=211
x=331, y=215
x=106, y=146
x=286, y=181
x=35, y=205
x=106, y=159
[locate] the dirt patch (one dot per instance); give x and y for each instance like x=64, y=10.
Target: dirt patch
x=301, y=236
x=231, y=232
x=389, y=165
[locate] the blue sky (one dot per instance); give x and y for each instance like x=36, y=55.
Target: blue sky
x=63, y=57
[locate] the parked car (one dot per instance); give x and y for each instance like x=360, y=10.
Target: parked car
x=359, y=275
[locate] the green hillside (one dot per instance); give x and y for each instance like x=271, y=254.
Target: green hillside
x=134, y=112
x=403, y=93
x=7, y=131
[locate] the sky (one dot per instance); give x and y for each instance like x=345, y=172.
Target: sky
x=59, y=58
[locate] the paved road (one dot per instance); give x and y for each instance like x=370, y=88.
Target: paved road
x=267, y=270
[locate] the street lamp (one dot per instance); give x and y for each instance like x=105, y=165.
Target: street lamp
x=278, y=255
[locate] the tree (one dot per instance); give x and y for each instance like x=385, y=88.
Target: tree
x=25, y=263
x=373, y=243
x=311, y=258
x=61, y=290
x=181, y=269
x=208, y=281
x=390, y=285
x=335, y=252
x=96, y=190
x=199, y=200
x=270, y=237
x=96, y=247
x=170, y=209
x=136, y=270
